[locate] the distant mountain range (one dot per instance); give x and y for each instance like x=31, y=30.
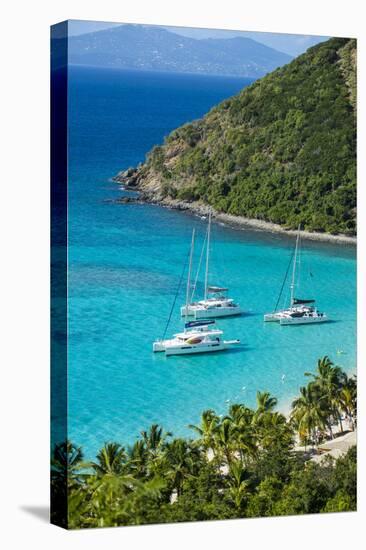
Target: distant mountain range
x=292, y=44
x=155, y=49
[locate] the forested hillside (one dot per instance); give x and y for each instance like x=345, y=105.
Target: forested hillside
x=282, y=150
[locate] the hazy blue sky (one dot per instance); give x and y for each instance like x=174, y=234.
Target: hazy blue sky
x=293, y=44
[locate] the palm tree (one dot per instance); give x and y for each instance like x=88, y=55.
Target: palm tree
x=181, y=460
x=224, y=439
x=308, y=412
x=132, y=509
x=242, y=432
x=111, y=459
x=138, y=458
x=155, y=438
x=206, y=431
x=273, y=429
x=329, y=380
x=155, y=441
x=265, y=403
x=110, y=484
x=67, y=462
x=109, y=494
x=237, y=480
x=112, y=492
x=239, y=414
x=348, y=399
x=66, y=478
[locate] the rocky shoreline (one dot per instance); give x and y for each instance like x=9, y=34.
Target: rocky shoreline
x=130, y=181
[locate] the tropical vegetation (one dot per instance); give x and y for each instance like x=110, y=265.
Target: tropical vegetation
x=251, y=462
x=283, y=150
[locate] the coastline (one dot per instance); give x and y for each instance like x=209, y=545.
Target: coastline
x=236, y=222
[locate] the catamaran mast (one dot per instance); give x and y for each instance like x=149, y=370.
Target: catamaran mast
x=294, y=268
x=189, y=275
x=207, y=253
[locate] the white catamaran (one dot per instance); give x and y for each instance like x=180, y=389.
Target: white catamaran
x=300, y=311
x=198, y=336
x=215, y=302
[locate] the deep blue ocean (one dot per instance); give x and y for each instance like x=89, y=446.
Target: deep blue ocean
x=125, y=262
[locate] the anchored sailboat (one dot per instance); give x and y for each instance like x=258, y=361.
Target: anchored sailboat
x=300, y=311
x=215, y=302
x=198, y=336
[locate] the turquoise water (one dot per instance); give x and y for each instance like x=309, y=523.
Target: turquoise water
x=125, y=265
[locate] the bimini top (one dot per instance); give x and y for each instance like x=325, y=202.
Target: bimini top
x=300, y=301
x=200, y=323
x=215, y=289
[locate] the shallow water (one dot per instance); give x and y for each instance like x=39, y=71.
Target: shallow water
x=125, y=265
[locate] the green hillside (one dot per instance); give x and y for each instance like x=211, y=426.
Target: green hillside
x=282, y=150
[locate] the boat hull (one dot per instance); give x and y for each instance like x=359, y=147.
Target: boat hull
x=213, y=313
x=272, y=318
x=189, y=311
x=283, y=314
x=199, y=347
x=193, y=349
x=210, y=313
x=158, y=346
x=303, y=320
